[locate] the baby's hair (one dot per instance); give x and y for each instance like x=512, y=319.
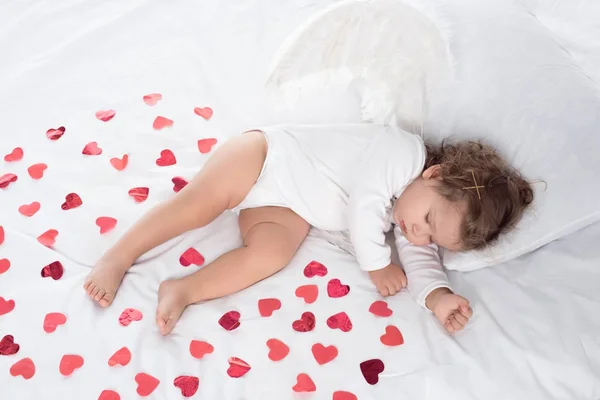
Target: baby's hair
x=496, y=194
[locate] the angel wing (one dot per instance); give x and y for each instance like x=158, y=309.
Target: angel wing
x=394, y=52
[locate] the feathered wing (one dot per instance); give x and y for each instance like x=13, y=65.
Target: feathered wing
x=394, y=51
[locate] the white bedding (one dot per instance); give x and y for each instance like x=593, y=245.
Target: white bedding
x=535, y=333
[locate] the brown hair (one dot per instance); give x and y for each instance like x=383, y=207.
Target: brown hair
x=503, y=193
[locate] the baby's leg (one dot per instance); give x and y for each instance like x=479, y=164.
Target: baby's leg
x=271, y=237
x=222, y=183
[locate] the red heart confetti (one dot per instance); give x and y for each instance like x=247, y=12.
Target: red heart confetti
x=48, y=238
x=205, y=112
x=7, y=179
x=162, y=122
x=323, y=354
x=371, y=370
x=237, y=367
x=1, y=234
x=266, y=307
x=91, y=149
x=342, y=395
x=277, y=349
x=206, y=145
x=53, y=270
x=308, y=292
x=72, y=200
x=15, y=155
x=199, y=349
x=121, y=357
x=139, y=194
x=4, y=265
x=380, y=308
x=392, y=336
x=24, y=368
x=106, y=224
x=230, y=320
x=178, y=183
x=54, y=320
x=105, y=115
x=109, y=395
x=166, y=158
x=8, y=346
x=6, y=306
x=304, y=384
x=191, y=256
x=129, y=315
x=29, y=210
x=315, y=268
x=335, y=288
x=152, y=99
x=55, y=134
x=119, y=163
x=36, y=171
x=306, y=323
x=340, y=321
x=146, y=384
x=69, y=363
x=187, y=384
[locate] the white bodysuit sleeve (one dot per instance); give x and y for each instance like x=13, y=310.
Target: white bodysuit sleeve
x=422, y=266
x=394, y=160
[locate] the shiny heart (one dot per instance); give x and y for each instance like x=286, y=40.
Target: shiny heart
x=304, y=384
x=91, y=149
x=187, y=384
x=340, y=321
x=380, y=308
x=129, y=315
x=53, y=270
x=323, y=354
x=199, y=349
x=15, y=155
x=7, y=179
x=4, y=264
x=178, y=183
x=237, y=367
x=48, y=238
x=24, y=368
x=29, y=210
x=8, y=346
x=191, y=256
x=121, y=357
x=392, y=336
x=146, y=384
x=119, y=163
x=306, y=323
x=72, y=200
x=161, y=123
x=105, y=115
x=308, y=292
x=166, y=158
x=315, y=268
x=139, y=194
x=371, y=370
x=55, y=134
x=335, y=288
x=266, y=307
x=230, y=320
x=277, y=349
x=6, y=306
x=152, y=99
x=109, y=395
x=342, y=395
x=205, y=112
x=54, y=320
x=106, y=224
x=206, y=145
x=69, y=363
x=36, y=171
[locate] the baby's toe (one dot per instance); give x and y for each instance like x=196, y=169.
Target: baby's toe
x=99, y=295
x=107, y=299
x=94, y=291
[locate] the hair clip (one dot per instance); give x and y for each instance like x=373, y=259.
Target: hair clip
x=476, y=187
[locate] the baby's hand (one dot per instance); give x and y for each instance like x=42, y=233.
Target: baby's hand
x=452, y=310
x=389, y=280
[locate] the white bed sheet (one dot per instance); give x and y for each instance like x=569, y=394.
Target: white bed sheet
x=535, y=332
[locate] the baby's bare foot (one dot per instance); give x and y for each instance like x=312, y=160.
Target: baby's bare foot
x=103, y=281
x=171, y=303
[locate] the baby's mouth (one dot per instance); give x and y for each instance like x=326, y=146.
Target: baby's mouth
x=403, y=227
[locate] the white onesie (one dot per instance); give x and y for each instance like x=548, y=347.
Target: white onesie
x=344, y=178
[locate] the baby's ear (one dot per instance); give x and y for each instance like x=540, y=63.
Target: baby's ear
x=433, y=172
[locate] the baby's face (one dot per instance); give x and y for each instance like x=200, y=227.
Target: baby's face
x=425, y=217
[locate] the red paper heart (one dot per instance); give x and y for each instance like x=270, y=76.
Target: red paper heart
x=72, y=200
x=53, y=320
x=119, y=163
x=4, y=264
x=392, y=336
x=380, y=308
x=341, y=395
x=129, y=315
x=206, y=145
x=8, y=346
x=166, y=158
x=109, y=395
x=230, y=320
x=191, y=256
x=199, y=349
x=162, y=122
x=152, y=99
x=205, y=112
x=29, y=210
x=24, y=368
x=146, y=384
x=323, y=354
x=36, y=171
x=139, y=194
x=187, y=384
x=304, y=384
x=336, y=289
x=340, y=321
x=308, y=292
x=15, y=155
x=54, y=270
x=91, y=149
x=6, y=306
x=48, y=238
x=371, y=370
x=306, y=323
x=1, y=234
x=178, y=183
x=277, y=349
x=315, y=268
x=106, y=224
x=7, y=179
x=55, y=134
x=237, y=367
x=266, y=307
x=69, y=363
x=105, y=115
x=121, y=357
